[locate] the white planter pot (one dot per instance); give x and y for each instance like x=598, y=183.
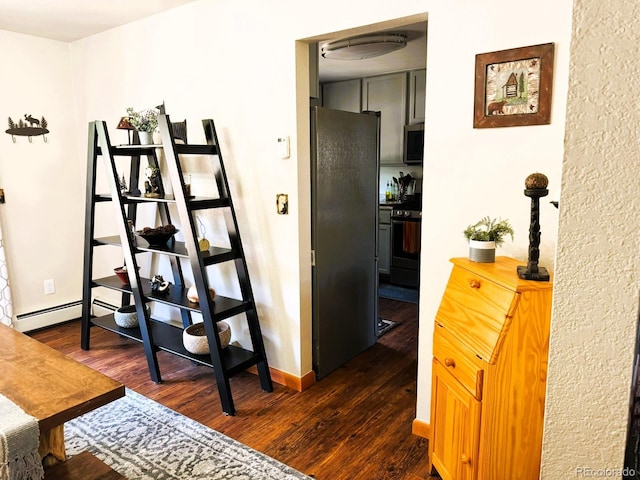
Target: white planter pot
x=482, y=252
x=146, y=138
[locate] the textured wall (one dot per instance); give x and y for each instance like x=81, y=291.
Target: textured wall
x=596, y=291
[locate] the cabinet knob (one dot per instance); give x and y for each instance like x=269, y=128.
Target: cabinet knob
x=464, y=458
x=474, y=283
x=449, y=362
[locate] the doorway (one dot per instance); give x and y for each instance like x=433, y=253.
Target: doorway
x=352, y=73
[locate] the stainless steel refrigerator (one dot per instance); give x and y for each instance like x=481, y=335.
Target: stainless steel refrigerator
x=345, y=159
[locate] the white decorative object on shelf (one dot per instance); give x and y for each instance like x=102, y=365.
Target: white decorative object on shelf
x=127, y=317
x=195, y=339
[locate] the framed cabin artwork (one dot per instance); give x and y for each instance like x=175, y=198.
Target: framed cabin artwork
x=513, y=87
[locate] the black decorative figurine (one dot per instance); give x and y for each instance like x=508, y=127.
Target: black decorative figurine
x=158, y=284
x=535, y=187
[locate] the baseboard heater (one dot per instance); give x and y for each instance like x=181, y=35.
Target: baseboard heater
x=100, y=307
x=49, y=316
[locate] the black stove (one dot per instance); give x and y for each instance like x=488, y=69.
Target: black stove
x=406, y=219
x=404, y=212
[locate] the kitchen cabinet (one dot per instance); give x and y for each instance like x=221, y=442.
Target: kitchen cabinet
x=388, y=95
x=384, y=240
x=343, y=95
x=490, y=349
x=417, y=87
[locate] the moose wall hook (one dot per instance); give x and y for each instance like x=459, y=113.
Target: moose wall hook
x=28, y=127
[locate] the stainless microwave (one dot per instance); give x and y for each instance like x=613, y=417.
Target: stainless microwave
x=413, y=143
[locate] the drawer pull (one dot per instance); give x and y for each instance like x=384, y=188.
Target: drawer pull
x=474, y=283
x=450, y=362
x=464, y=458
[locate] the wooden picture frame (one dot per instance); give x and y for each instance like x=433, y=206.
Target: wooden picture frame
x=513, y=87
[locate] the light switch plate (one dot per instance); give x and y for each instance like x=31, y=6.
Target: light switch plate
x=282, y=203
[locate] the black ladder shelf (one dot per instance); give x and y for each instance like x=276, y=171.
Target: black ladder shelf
x=154, y=334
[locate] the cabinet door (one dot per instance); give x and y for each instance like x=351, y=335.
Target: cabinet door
x=455, y=423
x=388, y=94
x=344, y=95
x=384, y=248
x=417, y=87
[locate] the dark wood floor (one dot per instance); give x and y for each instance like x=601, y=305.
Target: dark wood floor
x=353, y=424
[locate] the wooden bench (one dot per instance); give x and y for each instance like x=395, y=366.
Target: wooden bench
x=51, y=387
x=84, y=466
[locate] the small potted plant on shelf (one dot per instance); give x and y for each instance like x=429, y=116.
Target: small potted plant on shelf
x=485, y=236
x=145, y=122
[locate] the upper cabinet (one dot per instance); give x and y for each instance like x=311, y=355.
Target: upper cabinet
x=343, y=95
x=388, y=94
x=400, y=97
x=417, y=87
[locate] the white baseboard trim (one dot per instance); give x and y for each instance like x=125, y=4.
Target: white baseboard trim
x=26, y=322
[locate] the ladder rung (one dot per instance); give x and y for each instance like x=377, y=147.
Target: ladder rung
x=131, y=150
x=196, y=149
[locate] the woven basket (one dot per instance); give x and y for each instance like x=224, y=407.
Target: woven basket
x=195, y=340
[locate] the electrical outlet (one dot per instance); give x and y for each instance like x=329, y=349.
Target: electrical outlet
x=49, y=286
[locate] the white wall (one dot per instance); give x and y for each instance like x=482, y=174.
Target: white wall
x=471, y=173
x=223, y=60
x=43, y=217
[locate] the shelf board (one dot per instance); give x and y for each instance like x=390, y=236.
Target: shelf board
x=187, y=149
x=224, y=307
x=217, y=255
x=168, y=337
x=201, y=203
x=213, y=256
x=194, y=203
x=130, y=150
x=184, y=149
x=175, y=248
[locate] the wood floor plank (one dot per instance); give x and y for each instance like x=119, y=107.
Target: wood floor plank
x=353, y=424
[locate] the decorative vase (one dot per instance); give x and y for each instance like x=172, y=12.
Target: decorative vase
x=146, y=138
x=482, y=251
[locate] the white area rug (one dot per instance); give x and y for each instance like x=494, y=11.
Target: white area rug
x=142, y=439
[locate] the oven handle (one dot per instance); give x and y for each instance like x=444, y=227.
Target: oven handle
x=399, y=220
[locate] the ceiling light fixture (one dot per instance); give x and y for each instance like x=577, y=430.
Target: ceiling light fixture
x=363, y=46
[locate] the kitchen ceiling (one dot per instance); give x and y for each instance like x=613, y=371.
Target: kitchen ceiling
x=69, y=20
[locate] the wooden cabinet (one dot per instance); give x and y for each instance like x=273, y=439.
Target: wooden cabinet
x=455, y=444
x=490, y=347
x=388, y=94
x=343, y=95
x=417, y=91
x=384, y=240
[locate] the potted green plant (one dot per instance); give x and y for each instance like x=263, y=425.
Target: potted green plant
x=145, y=122
x=484, y=236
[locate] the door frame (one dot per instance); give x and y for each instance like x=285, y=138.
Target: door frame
x=307, y=68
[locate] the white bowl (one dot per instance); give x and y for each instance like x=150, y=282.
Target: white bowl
x=195, y=340
x=127, y=317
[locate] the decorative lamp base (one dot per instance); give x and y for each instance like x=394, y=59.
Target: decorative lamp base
x=542, y=275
